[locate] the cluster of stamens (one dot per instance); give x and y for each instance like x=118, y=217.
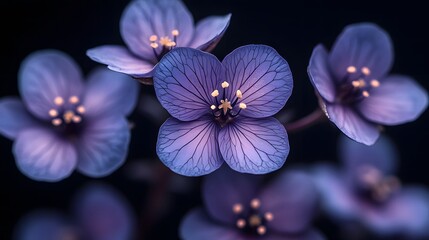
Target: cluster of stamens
x=376, y=184
x=224, y=108
x=66, y=112
x=165, y=43
x=361, y=84
x=252, y=221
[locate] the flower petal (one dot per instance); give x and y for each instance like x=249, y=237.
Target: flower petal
x=14, y=117
x=120, y=59
x=45, y=75
x=184, y=81
x=209, y=31
x=351, y=124
x=44, y=156
x=107, y=91
x=398, y=99
x=263, y=77
x=142, y=19
x=320, y=75
x=256, y=146
x=362, y=45
x=103, y=145
x=189, y=148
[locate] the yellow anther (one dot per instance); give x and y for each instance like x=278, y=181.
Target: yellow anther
x=239, y=94
x=56, y=122
x=76, y=119
x=171, y=44
x=355, y=83
x=213, y=107
x=375, y=83
x=351, y=69
x=225, y=84
x=153, y=38
x=242, y=106
x=241, y=223
x=269, y=216
x=59, y=101
x=215, y=93
x=365, y=93
x=366, y=71
x=164, y=41
x=237, y=208
x=73, y=99
x=53, y=113
x=255, y=203
x=154, y=45
x=81, y=109
x=175, y=32
x=261, y=230
x=68, y=116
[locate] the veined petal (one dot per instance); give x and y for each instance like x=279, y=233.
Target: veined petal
x=14, y=117
x=42, y=155
x=184, y=81
x=362, y=45
x=142, y=19
x=209, y=31
x=398, y=99
x=103, y=145
x=120, y=59
x=189, y=148
x=255, y=146
x=109, y=92
x=263, y=77
x=351, y=124
x=45, y=75
x=320, y=75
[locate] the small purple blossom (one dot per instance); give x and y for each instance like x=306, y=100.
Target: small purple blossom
x=367, y=191
x=242, y=207
x=150, y=29
x=222, y=110
x=64, y=123
x=356, y=92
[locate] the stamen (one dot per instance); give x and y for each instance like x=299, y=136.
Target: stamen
x=164, y=41
x=53, y=113
x=239, y=94
x=76, y=119
x=225, y=84
x=365, y=71
x=68, y=116
x=269, y=216
x=171, y=44
x=81, y=109
x=73, y=99
x=237, y=208
x=356, y=83
x=255, y=203
x=56, y=122
x=351, y=69
x=261, y=230
x=375, y=83
x=153, y=38
x=212, y=107
x=175, y=32
x=365, y=93
x=242, y=106
x=59, y=101
x=154, y=45
x=241, y=223
x=215, y=93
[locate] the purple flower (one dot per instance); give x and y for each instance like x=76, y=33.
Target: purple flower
x=366, y=190
x=239, y=207
x=63, y=123
x=150, y=29
x=356, y=92
x=99, y=213
x=222, y=110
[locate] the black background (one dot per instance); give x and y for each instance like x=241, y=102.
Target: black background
x=293, y=28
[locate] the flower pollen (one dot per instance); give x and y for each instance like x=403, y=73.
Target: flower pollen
x=375, y=185
x=252, y=221
x=65, y=114
x=226, y=106
x=165, y=43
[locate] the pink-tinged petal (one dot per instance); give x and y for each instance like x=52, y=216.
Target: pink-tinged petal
x=184, y=81
x=45, y=75
x=189, y=148
x=109, y=92
x=14, y=117
x=209, y=31
x=320, y=75
x=263, y=77
x=120, y=59
x=251, y=145
x=142, y=19
x=362, y=45
x=42, y=155
x=103, y=145
x=398, y=99
x=352, y=124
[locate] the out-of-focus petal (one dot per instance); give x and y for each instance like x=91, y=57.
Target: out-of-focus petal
x=263, y=77
x=42, y=155
x=45, y=75
x=209, y=31
x=120, y=59
x=14, y=117
x=251, y=145
x=398, y=99
x=362, y=45
x=184, y=81
x=189, y=148
x=320, y=75
x=109, y=92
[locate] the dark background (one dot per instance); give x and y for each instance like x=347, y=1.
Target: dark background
x=293, y=28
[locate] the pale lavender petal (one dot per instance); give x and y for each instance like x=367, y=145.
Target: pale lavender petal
x=43, y=155
x=320, y=75
x=251, y=145
x=14, y=117
x=45, y=75
x=103, y=214
x=184, y=81
x=103, y=145
x=189, y=148
x=352, y=124
x=209, y=31
x=362, y=45
x=263, y=77
x=109, y=92
x=120, y=59
x=142, y=19
x=398, y=99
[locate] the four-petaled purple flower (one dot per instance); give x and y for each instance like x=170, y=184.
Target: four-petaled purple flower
x=150, y=29
x=222, y=110
x=355, y=91
x=366, y=190
x=241, y=207
x=63, y=123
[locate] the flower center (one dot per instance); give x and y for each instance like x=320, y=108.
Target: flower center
x=253, y=221
x=356, y=85
x=66, y=113
x=162, y=45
